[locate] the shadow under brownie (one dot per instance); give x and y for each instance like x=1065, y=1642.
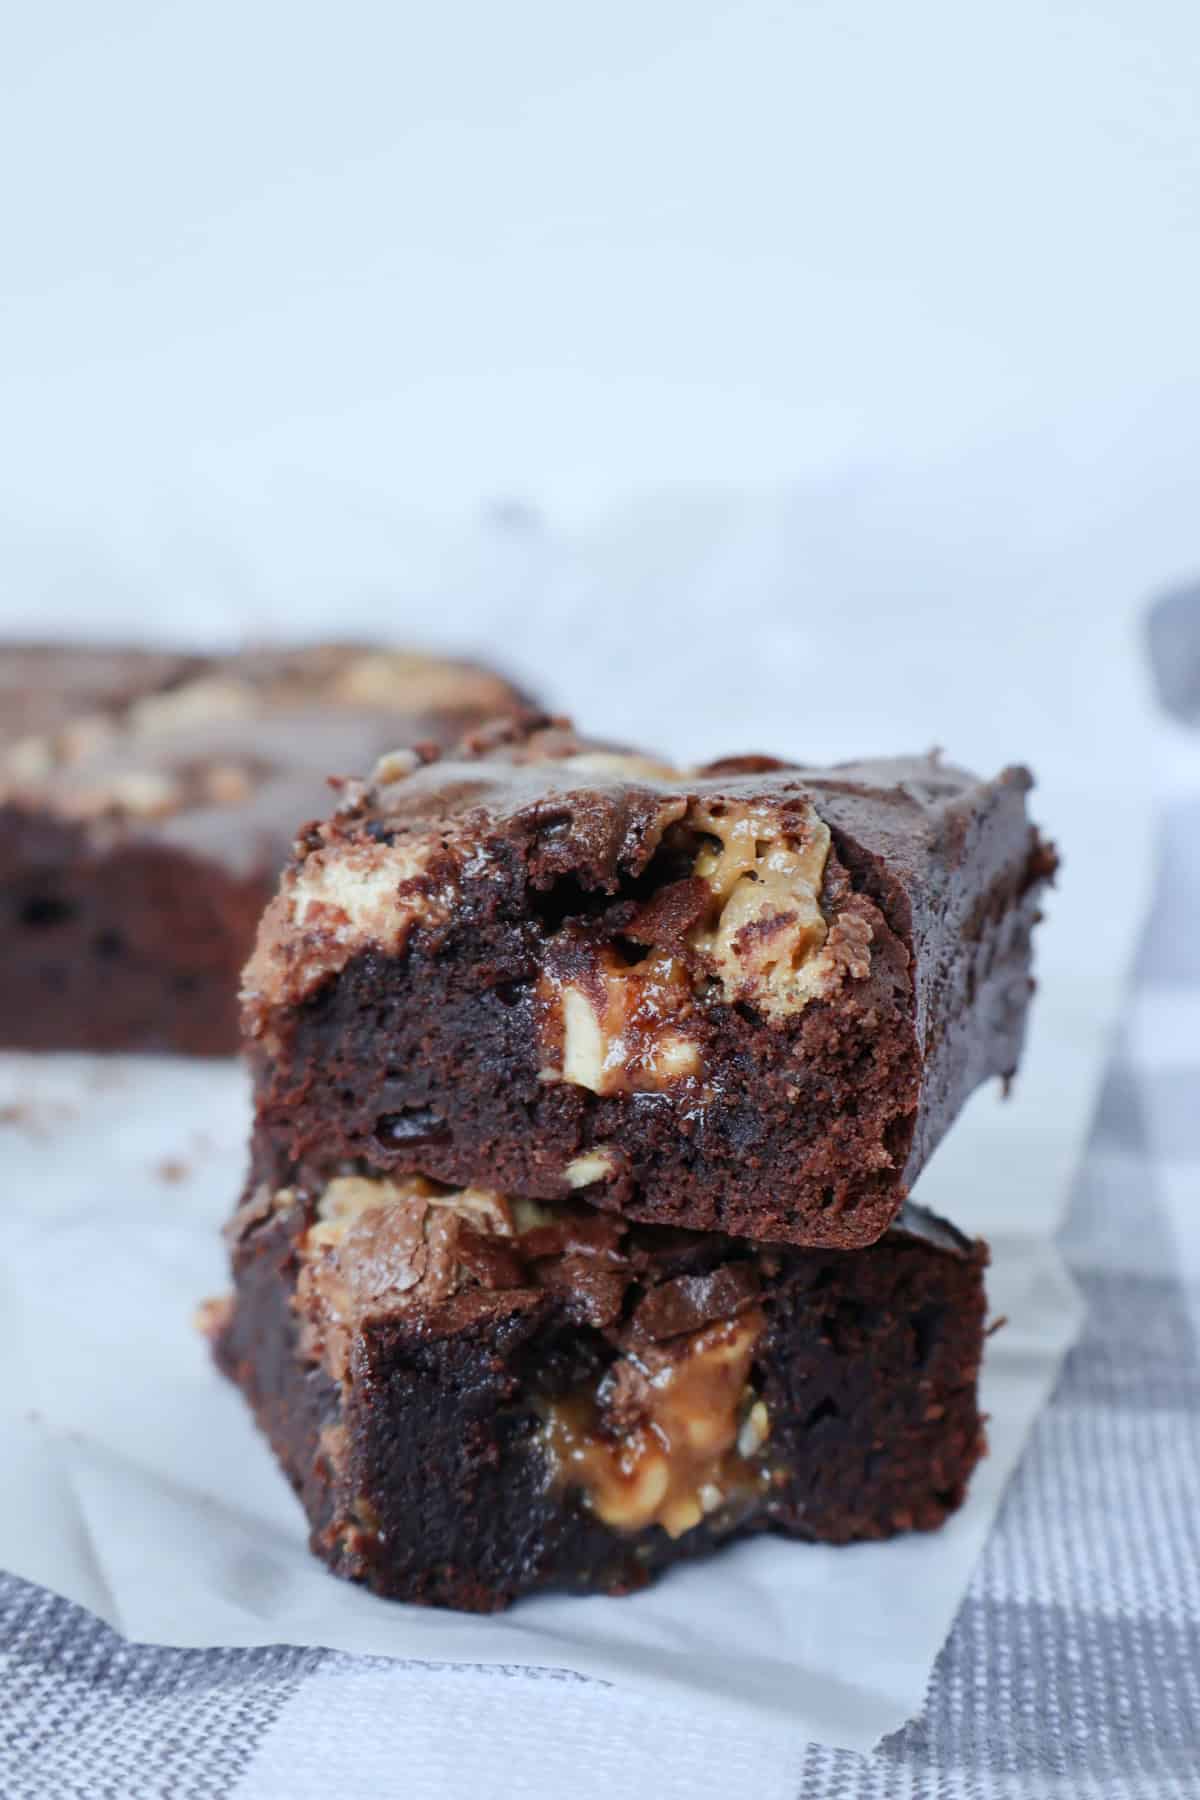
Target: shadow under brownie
x=147, y=803
x=476, y=1398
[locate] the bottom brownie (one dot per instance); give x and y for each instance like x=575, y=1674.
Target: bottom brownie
x=476, y=1398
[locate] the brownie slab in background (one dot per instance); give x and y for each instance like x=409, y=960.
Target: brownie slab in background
x=147, y=803
x=750, y=998
x=478, y=1398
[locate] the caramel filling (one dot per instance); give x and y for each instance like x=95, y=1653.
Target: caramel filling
x=624, y=1030
x=670, y=1434
x=616, y=1027
x=764, y=943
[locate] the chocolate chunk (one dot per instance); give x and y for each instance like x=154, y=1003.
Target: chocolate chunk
x=574, y=1229
x=690, y=1301
x=489, y=1261
x=591, y=1292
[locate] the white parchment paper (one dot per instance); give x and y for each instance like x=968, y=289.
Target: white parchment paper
x=136, y=1483
x=168, y=1516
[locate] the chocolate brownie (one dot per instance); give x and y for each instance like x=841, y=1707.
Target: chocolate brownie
x=476, y=1398
x=147, y=803
x=750, y=998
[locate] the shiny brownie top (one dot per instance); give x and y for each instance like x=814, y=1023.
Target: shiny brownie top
x=770, y=878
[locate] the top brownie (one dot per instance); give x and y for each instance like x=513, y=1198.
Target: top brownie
x=748, y=998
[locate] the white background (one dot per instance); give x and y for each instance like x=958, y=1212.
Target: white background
x=387, y=256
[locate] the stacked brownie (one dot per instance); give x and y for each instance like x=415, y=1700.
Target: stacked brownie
x=589, y=1095
x=148, y=800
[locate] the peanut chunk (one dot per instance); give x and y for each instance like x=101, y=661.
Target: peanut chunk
x=593, y=1165
x=624, y=1032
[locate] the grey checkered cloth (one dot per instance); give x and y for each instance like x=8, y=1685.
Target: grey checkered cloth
x=1073, y=1667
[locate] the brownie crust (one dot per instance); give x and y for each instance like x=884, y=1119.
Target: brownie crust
x=147, y=803
x=749, y=999
x=467, y=1393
